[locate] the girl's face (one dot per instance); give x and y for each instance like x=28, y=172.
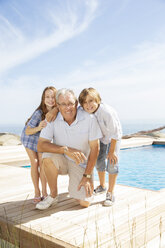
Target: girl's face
x=90, y=105
x=49, y=99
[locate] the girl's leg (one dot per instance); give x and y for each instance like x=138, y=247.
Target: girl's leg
x=42, y=176
x=34, y=170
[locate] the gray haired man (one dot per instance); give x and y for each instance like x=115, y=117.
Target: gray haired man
x=74, y=150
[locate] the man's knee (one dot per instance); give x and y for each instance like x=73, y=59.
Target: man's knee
x=84, y=204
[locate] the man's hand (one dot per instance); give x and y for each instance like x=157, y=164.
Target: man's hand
x=76, y=155
x=51, y=115
x=87, y=183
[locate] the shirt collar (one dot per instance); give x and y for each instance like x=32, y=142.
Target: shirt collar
x=79, y=117
x=98, y=110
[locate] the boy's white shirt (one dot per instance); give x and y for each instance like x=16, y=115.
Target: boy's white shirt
x=109, y=123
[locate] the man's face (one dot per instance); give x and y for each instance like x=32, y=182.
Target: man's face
x=68, y=107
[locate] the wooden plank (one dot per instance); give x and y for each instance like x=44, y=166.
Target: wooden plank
x=134, y=219
x=24, y=237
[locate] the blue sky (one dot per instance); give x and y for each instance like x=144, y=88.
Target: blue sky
x=116, y=46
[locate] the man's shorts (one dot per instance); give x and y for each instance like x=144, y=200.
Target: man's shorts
x=103, y=164
x=75, y=172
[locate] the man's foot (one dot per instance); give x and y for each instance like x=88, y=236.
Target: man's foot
x=99, y=190
x=46, y=202
x=110, y=199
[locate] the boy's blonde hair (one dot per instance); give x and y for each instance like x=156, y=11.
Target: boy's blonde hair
x=89, y=92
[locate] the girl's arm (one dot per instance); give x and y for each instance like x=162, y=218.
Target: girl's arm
x=52, y=114
x=113, y=159
x=33, y=130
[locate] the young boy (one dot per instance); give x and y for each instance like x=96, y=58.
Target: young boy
x=110, y=126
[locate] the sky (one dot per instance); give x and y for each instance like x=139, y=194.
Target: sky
x=115, y=46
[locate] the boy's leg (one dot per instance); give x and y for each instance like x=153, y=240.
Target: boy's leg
x=113, y=172
x=110, y=199
x=100, y=166
x=101, y=175
x=112, y=182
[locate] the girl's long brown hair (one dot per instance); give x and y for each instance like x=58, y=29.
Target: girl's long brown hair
x=42, y=105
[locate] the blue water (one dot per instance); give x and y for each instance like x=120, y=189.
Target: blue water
x=128, y=127
x=143, y=167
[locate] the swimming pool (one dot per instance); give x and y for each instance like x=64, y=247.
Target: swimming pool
x=142, y=167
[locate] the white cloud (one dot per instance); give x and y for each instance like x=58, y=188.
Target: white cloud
x=143, y=66
x=134, y=84
x=17, y=47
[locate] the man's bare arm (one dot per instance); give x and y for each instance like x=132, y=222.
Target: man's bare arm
x=44, y=145
x=92, y=158
x=87, y=183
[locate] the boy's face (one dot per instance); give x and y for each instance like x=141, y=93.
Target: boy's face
x=90, y=105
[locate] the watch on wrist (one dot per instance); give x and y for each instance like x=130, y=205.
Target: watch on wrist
x=87, y=175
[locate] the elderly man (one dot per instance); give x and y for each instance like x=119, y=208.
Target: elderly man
x=74, y=150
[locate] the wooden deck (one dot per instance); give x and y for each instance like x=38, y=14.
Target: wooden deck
x=137, y=217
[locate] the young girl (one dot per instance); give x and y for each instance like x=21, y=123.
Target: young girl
x=110, y=126
x=30, y=136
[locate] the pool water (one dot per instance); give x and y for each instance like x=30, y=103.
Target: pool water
x=142, y=167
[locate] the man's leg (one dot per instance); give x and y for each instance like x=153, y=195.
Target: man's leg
x=84, y=204
x=51, y=174
x=75, y=176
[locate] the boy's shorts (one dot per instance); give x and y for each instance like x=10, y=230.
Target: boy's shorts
x=102, y=163
x=75, y=172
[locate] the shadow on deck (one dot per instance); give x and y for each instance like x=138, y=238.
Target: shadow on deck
x=137, y=217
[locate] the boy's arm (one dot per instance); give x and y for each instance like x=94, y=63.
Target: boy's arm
x=113, y=159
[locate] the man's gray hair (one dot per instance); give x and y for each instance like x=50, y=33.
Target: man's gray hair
x=65, y=92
